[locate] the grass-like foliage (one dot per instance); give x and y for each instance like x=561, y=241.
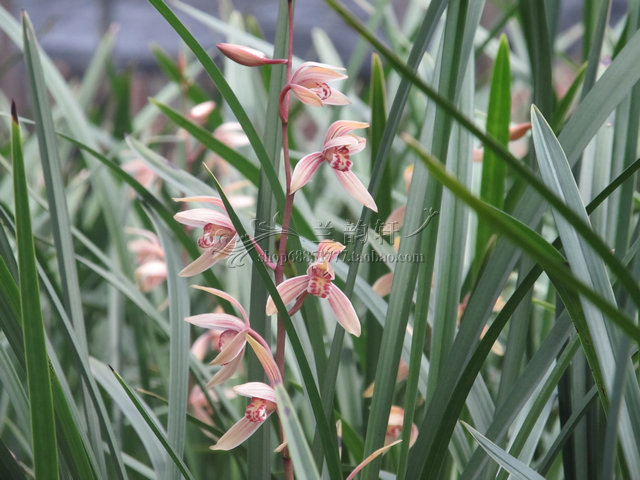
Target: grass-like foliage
x=420, y=260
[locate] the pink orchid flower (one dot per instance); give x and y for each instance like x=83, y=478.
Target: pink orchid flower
x=394, y=427
x=152, y=269
x=200, y=112
x=318, y=282
x=218, y=239
x=232, y=337
x=263, y=397
x=339, y=144
x=142, y=172
x=310, y=83
x=262, y=404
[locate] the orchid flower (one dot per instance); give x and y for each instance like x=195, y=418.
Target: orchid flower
x=200, y=112
x=318, y=282
x=142, y=172
x=152, y=269
x=339, y=144
x=263, y=397
x=232, y=337
x=403, y=374
x=394, y=429
x=310, y=83
x=218, y=239
x=262, y=404
x=232, y=135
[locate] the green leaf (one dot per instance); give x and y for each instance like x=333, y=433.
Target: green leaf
x=589, y=265
x=235, y=159
x=178, y=346
x=45, y=452
x=494, y=170
x=514, y=466
x=155, y=428
x=60, y=223
x=303, y=463
x=9, y=467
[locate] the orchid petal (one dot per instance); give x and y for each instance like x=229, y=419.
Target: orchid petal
x=382, y=286
x=152, y=268
x=266, y=360
x=336, y=98
x=237, y=434
x=208, y=258
x=368, y=393
x=356, y=189
x=317, y=72
x=343, y=310
x=220, y=321
x=204, y=342
x=225, y=373
x=306, y=96
x=340, y=128
x=353, y=142
x=231, y=350
x=257, y=390
x=288, y=290
x=518, y=131
x=328, y=250
x=305, y=168
x=394, y=221
x=202, y=198
x=146, y=248
x=199, y=217
x=226, y=296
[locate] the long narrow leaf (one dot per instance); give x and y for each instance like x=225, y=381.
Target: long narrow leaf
x=39, y=382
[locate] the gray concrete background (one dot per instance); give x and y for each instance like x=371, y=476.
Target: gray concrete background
x=69, y=30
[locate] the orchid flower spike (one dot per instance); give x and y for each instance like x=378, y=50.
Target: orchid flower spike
x=262, y=404
x=247, y=56
x=310, y=83
x=318, y=282
x=232, y=338
x=219, y=236
x=339, y=144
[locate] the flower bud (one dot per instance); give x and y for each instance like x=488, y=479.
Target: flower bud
x=247, y=56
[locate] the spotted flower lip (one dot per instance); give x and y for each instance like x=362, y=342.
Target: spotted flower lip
x=219, y=237
x=247, y=56
x=310, y=83
x=262, y=405
x=339, y=144
x=232, y=337
x=319, y=282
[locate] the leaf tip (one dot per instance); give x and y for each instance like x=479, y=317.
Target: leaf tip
x=14, y=111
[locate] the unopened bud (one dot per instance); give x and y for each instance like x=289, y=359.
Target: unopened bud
x=247, y=56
